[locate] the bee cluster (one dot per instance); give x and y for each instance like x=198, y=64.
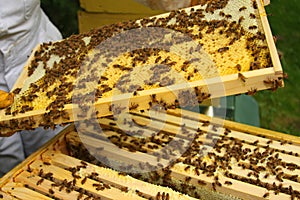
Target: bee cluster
x=142, y=156
x=208, y=156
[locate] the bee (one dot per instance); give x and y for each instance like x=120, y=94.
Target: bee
x=283, y=142
x=284, y=75
x=242, y=8
x=210, y=29
x=51, y=191
x=112, y=124
x=269, y=142
x=269, y=81
x=83, y=180
x=223, y=49
x=133, y=106
x=187, y=179
x=252, y=16
x=41, y=172
x=39, y=181
x=228, y=16
x=48, y=175
x=252, y=27
x=187, y=168
x=255, y=142
x=239, y=67
x=201, y=182
x=124, y=189
x=134, y=93
x=17, y=91
x=46, y=163
x=197, y=171
x=242, y=77
x=254, y=4
x=266, y=195
x=218, y=184
x=241, y=19
x=222, y=14
x=228, y=183
x=83, y=163
x=80, y=196
x=122, y=174
x=216, y=178
x=214, y=186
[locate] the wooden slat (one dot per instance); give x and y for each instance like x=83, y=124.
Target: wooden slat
x=172, y=124
x=238, y=189
x=7, y=196
x=112, y=177
x=56, y=143
x=60, y=174
x=269, y=37
x=124, y=6
x=46, y=187
x=239, y=126
x=88, y=20
x=18, y=191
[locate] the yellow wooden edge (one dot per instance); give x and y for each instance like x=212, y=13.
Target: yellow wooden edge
x=123, y=6
x=269, y=37
x=217, y=87
x=88, y=20
x=239, y=126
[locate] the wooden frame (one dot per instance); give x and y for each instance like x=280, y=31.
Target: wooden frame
x=90, y=20
x=254, y=80
x=117, y=7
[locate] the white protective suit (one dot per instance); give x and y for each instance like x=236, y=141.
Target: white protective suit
x=23, y=25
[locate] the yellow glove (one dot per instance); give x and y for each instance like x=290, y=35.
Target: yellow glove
x=6, y=99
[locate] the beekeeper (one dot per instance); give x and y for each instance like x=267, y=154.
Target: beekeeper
x=23, y=25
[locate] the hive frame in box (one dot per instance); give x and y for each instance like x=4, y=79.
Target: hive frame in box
x=43, y=172
x=252, y=80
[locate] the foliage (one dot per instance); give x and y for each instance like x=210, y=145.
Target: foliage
x=63, y=14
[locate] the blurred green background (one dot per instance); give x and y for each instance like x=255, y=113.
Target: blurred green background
x=280, y=110
x=63, y=14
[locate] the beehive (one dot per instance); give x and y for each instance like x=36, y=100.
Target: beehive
x=223, y=160
x=183, y=57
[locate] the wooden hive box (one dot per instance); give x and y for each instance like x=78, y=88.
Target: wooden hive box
x=98, y=13
x=241, y=162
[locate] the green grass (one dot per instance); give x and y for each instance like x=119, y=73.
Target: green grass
x=280, y=110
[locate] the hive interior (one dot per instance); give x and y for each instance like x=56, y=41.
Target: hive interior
x=129, y=159
x=191, y=156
